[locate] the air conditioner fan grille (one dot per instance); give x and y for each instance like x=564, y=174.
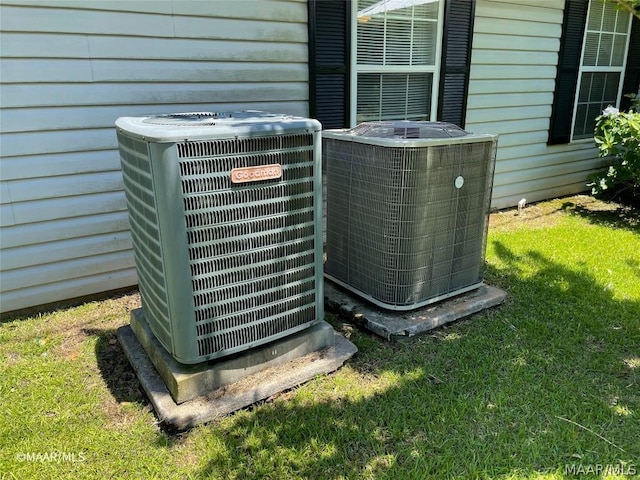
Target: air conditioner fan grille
x=407, y=129
x=251, y=246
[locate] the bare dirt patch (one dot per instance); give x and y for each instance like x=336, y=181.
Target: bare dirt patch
x=104, y=315
x=548, y=213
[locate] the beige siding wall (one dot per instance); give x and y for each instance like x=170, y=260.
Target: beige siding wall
x=68, y=70
x=513, y=69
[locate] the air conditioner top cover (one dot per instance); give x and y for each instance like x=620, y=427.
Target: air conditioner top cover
x=407, y=133
x=177, y=127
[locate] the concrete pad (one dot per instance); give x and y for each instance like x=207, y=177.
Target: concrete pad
x=227, y=399
x=393, y=325
x=186, y=382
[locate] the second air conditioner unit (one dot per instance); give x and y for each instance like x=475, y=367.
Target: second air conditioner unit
x=407, y=210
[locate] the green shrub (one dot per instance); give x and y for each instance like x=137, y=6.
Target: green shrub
x=617, y=135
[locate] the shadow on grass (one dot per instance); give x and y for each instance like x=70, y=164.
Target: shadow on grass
x=634, y=264
x=115, y=369
x=495, y=395
x=622, y=216
x=486, y=397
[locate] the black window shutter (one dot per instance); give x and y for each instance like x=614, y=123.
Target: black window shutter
x=329, y=59
x=575, y=16
x=632, y=74
x=456, y=60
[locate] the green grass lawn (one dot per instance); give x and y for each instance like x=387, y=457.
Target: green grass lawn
x=550, y=378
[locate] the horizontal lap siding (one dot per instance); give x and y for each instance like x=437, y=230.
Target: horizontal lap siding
x=513, y=69
x=68, y=70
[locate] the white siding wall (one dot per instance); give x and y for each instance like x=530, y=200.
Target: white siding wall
x=68, y=70
x=513, y=69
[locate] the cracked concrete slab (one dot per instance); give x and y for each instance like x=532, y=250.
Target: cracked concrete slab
x=393, y=325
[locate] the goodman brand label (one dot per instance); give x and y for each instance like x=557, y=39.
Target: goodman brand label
x=256, y=174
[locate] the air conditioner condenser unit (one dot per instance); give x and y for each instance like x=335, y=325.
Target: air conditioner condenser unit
x=226, y=219
x=407, y=210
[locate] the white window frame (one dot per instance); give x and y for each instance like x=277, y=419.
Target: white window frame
x=356, y=69
x=594, y=68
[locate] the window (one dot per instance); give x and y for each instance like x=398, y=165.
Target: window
x=388, y=59
x=599, y=61
x=396, y=54
x=604, y=52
